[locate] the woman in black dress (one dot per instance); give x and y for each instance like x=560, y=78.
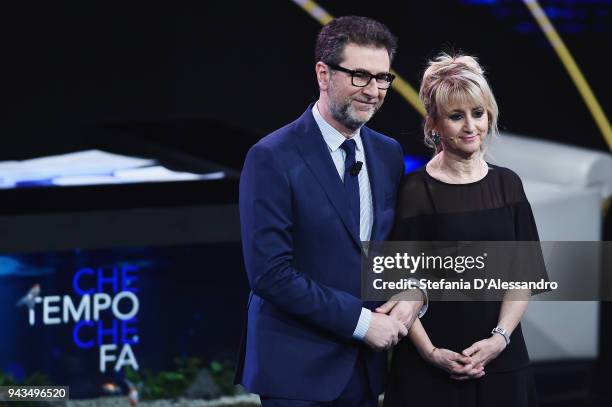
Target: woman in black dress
x=462, y=353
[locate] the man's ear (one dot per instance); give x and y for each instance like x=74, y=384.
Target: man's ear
x=323, y=75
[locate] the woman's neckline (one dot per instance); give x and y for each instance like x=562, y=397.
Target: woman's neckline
x=489, y=168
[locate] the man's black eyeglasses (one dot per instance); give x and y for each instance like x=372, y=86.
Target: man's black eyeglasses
x=362, y=78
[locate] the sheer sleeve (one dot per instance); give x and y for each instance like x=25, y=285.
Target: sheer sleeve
x=529, y=264
x=411, y=203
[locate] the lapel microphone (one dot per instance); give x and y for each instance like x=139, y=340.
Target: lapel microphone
x=356, y=168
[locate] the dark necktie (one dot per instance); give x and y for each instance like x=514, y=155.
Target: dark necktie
x=351, y=182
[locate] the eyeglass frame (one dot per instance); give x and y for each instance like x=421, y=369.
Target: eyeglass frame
x=389, y=75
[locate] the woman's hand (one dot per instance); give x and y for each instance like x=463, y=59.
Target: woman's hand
x=459, y=366
x=484, y=351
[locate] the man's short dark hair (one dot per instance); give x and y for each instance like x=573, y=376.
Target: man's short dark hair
x=363, y=31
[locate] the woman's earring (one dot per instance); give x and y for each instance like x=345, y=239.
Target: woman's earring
x=435, y=137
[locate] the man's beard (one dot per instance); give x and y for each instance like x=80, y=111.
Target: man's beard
x=344, y=112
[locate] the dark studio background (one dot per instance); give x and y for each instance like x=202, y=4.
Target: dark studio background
x=249, y=66
x=196, y=84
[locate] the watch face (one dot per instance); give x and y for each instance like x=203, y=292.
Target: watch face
x=502, y=332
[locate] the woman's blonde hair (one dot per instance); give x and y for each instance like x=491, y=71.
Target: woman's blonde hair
x=450, y=80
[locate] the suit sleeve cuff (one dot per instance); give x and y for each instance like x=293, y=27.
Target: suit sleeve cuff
x=363, y=324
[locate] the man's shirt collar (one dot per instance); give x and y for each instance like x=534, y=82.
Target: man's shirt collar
x=333, y=138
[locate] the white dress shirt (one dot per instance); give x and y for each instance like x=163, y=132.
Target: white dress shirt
x=334, y=139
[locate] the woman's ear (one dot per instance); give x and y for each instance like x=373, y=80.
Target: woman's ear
x=430, y=124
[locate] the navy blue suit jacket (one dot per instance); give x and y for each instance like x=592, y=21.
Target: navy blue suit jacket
x=302, y=254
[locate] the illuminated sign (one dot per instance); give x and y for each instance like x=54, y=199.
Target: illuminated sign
x=103, y=312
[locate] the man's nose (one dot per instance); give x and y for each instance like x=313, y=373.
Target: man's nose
x=371, y=89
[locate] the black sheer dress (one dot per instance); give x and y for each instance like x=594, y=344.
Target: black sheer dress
x=492, y=209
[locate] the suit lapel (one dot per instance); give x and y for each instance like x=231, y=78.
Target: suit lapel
x=315, y=153
x=373, y=161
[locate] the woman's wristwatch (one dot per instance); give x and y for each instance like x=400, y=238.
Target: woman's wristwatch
x=502, y=331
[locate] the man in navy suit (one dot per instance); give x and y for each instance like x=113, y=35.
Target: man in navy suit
x=310, y=193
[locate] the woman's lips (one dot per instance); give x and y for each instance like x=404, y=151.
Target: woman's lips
x=468, y=139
